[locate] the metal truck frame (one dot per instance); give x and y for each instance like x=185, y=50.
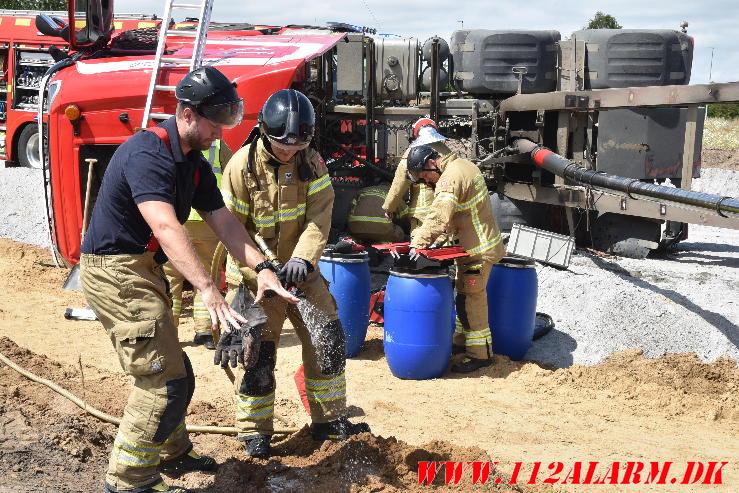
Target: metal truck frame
x=368, y=90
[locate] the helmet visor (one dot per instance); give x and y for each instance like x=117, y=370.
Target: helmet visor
x=227, y=114
x=288, y=147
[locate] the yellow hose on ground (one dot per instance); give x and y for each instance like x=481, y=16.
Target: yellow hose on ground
x=221, y=430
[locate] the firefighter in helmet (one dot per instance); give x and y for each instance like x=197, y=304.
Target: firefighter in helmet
x=461, y=206
x=280, y=190
x=367, y=219
x=425, y=131
x=151, y=183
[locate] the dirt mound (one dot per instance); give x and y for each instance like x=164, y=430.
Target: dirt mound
x=365, y=463
x=677, y=384
x=720, y=158
x=48, y=443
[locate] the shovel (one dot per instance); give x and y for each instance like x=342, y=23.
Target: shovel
x=72, y=282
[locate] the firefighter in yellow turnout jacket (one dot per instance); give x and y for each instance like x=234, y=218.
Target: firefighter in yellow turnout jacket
x=461, y=205
x=421, y=195
x=205, y=241
x=367, y=220
x=280, y=190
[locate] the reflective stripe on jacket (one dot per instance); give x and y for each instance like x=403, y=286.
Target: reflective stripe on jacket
x=213, y=155
x=421, y=195
x=293, y=216
x=461, y=205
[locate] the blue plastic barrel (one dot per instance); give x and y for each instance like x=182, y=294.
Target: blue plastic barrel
x=512, y=291
x=349, y=283
x=418, y=307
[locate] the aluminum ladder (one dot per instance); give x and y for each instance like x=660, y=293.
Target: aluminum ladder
x=161, y=60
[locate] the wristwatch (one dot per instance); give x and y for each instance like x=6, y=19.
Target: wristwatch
x=265, y=265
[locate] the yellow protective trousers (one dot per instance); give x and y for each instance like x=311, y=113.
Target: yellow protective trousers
x=204, y=240
x=471, y=304
x=324, y=359
x=130, y=297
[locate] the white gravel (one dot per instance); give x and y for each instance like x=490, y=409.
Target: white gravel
x=687, y=302
x=22, y=212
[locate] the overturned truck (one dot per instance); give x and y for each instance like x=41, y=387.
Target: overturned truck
x=608, y=101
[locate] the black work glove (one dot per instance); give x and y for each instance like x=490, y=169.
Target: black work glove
x=294, y=271
x=241, y=345
x=230, y=348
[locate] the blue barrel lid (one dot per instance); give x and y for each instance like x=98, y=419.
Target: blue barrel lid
x=329, y=255
x=517, y=262
x=422, y=273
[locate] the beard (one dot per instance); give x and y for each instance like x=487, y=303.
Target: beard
x=192, y=139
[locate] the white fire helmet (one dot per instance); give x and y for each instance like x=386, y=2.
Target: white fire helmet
x=426, y=132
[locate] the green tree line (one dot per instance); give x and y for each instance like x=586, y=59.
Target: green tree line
x=724, y=110
x=33, y=4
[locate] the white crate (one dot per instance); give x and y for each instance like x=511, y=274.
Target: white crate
x=543, y=246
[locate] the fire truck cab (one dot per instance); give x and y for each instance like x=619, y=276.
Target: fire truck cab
x=24, y=59
x=95, y=99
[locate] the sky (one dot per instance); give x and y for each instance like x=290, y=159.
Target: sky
x=713, y=23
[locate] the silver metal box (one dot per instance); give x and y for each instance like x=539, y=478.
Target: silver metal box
x=396, y=68
x=543, y=246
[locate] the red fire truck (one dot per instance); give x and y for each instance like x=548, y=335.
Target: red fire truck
x=95, y=101
x=24, y=58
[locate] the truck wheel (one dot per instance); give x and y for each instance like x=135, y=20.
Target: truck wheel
x=509, y=211
x=627, y=236
x=28, y=147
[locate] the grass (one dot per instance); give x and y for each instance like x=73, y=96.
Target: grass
x=721, y=133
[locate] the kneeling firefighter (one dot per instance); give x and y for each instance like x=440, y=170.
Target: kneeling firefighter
x=280, y=190
x=367, y=219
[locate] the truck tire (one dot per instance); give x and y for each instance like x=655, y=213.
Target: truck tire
x=28, y=147
x=626, y=236
x=509, y=211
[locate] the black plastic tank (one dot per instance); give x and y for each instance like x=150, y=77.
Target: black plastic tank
x=484, y=59
x=636, y=57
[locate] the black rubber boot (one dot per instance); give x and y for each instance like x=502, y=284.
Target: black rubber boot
x=338, y=429
x=158, y=487
x=457, y=349
x=188, y=462
x=468, y=365
x=258, y=446
x=204, y=338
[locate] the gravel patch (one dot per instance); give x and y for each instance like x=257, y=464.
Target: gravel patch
x=686, y=301
x=23, y=216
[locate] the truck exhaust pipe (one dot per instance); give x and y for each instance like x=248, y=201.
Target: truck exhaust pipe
x=634, y=188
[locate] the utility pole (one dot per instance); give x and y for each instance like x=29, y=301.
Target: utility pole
x=710, y=69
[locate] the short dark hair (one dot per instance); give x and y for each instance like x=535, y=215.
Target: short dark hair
x=181, y=108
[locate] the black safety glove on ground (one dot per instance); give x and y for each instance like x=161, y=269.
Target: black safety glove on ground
x=294, y=271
